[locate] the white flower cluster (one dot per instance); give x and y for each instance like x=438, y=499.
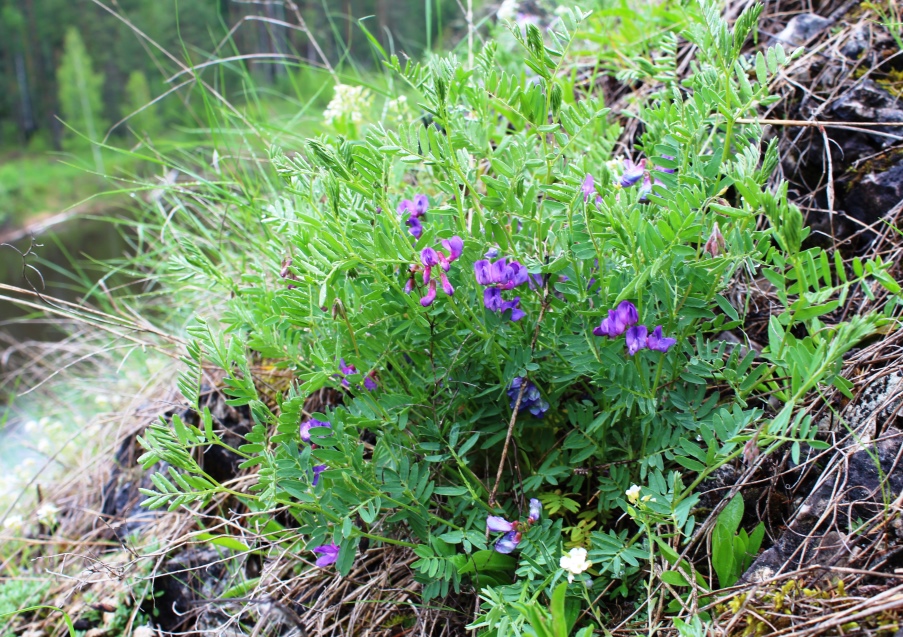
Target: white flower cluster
x=397, y=111
x=508, y=10
x=348, y=103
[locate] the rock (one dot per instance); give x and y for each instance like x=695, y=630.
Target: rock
x=867, y=102
x=803, y=28
x=190, y=577
x=853, y=488
x=875, y=194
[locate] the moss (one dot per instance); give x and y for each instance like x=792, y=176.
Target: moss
x=778, y=608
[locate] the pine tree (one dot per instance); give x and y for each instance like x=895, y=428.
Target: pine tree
x=142, y=115
x=80, y=87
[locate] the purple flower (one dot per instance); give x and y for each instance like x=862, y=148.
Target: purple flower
x=492, y=299
x=421, y=203
x=516, y=275
x=497, y=524
x=427, y=300
x=416, y=227
x=513, y=305
x=429, y=258
x=318, y=469
x=535, y=510
x=508, y=542
x=492, y=253
x=308, y=425
x=531, y=399
x=658, y=342
x=370, y=381
x=455, y=247
x=346, y=369
x=588, y=187
x=498, y=271
x=409, y=286
x=446, y=286
x=329, y=553
x=632, y=172
x=483, y=271
x=636, y=339
x=618, y=320
x=405, y=206
x=646, y=188
x=670, y=171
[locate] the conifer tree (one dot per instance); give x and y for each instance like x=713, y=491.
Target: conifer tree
x=81, y=104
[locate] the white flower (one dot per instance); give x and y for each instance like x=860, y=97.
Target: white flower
x=47, y=513
x=13, y=523
x=574, y=562
x=633, y=494
x=508, y=10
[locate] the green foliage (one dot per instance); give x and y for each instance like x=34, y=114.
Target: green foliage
x=80, y=98
x=330, y=285
x=137, y=106
x=733, y=552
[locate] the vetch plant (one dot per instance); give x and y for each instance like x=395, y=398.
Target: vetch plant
x=516, y=381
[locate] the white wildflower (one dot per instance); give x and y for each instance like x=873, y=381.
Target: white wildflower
x=13, y=524
x=508, y=10
x=633, y=494
x=574, y=562
x=47, y=514
x=348, y=103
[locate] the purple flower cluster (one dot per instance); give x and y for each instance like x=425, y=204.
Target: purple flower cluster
x=347, y=370
x=623, y=320
x=531, y=400
x=513, y=530
x=500, y=276
x=416, y=210
x=429, y=259
x=306, y=426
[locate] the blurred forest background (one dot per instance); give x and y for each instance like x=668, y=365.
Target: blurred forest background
x=70, y=70
x=92, y=91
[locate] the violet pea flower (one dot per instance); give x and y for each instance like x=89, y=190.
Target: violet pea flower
x=588, y=187
x=715, y=244
x=492, y=299
x=670, y=171
x=446, y=286
x=405, y=206
x=492, y=252
x=429, y=258
x=498, y=524
x=508, y=542
x=416, y=227
x=329, y=553
x=627, y=314
x=346, y=369
x=421, y=203
x=646, y=188
x=499, y=272
x=308, y=425
x=658, y=342
x=455, y=247
x=607, y=327
x=535, y=510
x=633, y=172
x=516, y=275
x=409, y=286
x=370, y=382
x=636, y=339
x=427, y=300
x=318, y=469
x=513, y=305
x=483, y=271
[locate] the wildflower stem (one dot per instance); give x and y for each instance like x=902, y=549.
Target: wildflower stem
x=520, y=395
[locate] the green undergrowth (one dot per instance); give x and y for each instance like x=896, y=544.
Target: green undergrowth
x=535, y=334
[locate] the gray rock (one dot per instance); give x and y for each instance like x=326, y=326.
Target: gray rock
x=803, y=28
x=876, y=193
x=852, y=488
